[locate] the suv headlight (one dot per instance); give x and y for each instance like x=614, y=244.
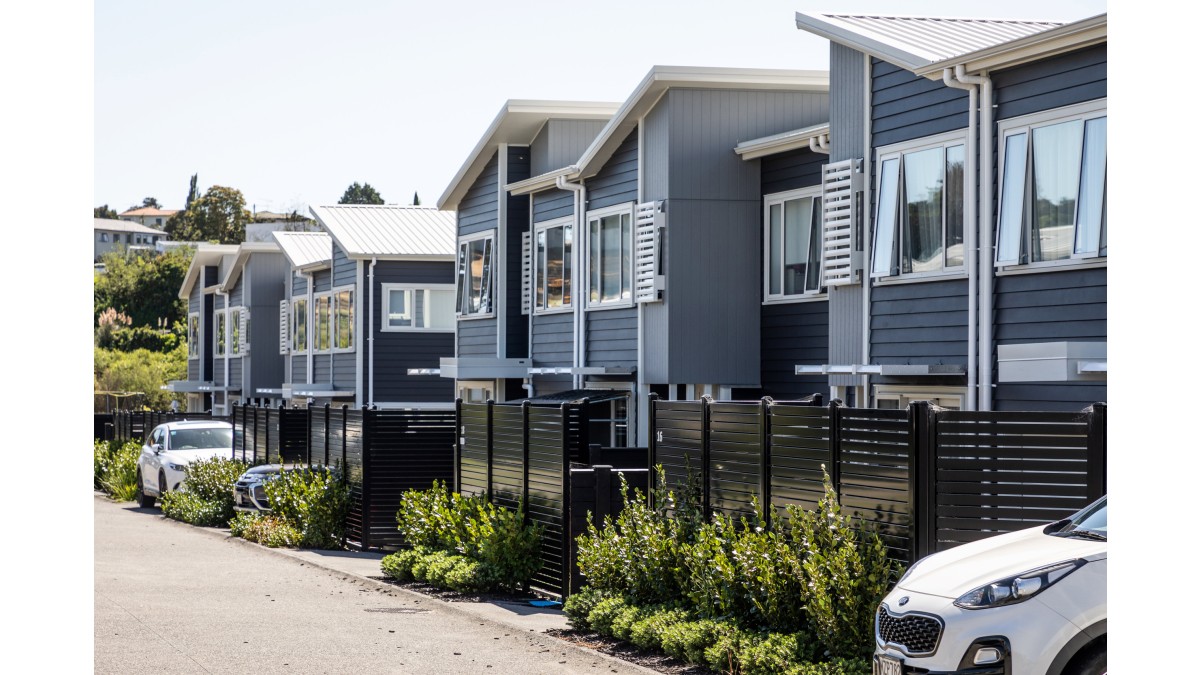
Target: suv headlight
x=176, y=467
x=1017, y=588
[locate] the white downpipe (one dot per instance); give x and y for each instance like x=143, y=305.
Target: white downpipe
x=971, y=205
x=308, y=331
x=867, y=231
x=576, y=267
x=819, y=144
x=984, y=233
x=225, y=356
x=371, y=331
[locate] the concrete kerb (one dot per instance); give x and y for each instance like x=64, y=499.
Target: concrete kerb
x=353, y=564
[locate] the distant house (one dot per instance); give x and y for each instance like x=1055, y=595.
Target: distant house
x=111, y=235
x=149, y=216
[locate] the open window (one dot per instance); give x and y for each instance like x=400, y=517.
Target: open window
x=792, y=235
x=474, y=275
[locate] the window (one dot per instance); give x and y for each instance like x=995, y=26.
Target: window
x=552, y=265
x=128, y=238
x=299, y=325
x=220, y=333
x=1053, y=177
x=474, y=294
x=322, y=305
x=897, y=397
x=193, y=336
x=608, y=423
x=610, y=256
x=919, y=219
x=343, y=322
x=409, y=307
x=158, y=221
x=792, y=232
x=104, y=236
x=235, y=331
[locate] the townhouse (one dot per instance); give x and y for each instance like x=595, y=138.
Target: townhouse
x=964, y=214
x=209, y=265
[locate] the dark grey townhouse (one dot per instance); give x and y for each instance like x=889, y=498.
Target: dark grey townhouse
x=247, y=365
x=646, y=250
x=964, y=207
x=491, y=359
x=382, y=312
x=209, y=265
x=307, y=376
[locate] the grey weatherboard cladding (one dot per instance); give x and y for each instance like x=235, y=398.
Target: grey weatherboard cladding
x=396, y=352
x=344, y=268
x=919, y=323
x=907, y=107
x=479, y=212
x=1061, y=80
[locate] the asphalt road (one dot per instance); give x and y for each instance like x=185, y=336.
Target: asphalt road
x=172, y=599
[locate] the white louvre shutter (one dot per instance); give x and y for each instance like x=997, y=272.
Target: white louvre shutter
x=243, y=333
x=284, y=325
x=526, y=273
x=839, y=183
x=649, y=282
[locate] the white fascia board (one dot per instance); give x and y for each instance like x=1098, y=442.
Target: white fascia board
x=517, y=123
x=773, y=145
x=1072, y=36
x=205, y=254
x=431, y=257
x=662, y=78
x=835, y=31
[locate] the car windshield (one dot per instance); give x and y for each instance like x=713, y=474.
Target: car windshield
x=195, y=439
x=1091, y=521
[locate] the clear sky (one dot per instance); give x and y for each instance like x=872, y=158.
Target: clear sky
x=290, y=102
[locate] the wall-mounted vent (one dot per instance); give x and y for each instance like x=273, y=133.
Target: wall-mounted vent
x=649, y=249
x=283, y=327
x=841, y=184
x=526, y=273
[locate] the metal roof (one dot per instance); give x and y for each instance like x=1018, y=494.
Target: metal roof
x=148, y=211
x=245, y=250
x=206, y=254
x=110, y=225
x=926, y=45
x=363, y=230
x=305, y=249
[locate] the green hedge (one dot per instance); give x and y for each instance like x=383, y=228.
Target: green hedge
x=206, y=495
x=114, y=468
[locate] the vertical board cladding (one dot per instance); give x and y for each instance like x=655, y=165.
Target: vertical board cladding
x=322, y=280
x=1070, y=305
x=398, y=351
x=265, y=274
x=561, y=142
x=539, y=154
x=905, y=107
x=846, y=102
x=919, y=323
x=344, y=268
x=794, y=333
x=792, y=170
x=517, y=223
x=656, y=156
x=714, y=317
x=845, y=330
x=612, y=337
x=195, y=306
x=617, y=181
x=1065, y=79
x=551, y=204
x=479, y=211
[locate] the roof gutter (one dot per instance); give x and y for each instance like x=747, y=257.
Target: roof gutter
x=577, y=355
x=819, y=144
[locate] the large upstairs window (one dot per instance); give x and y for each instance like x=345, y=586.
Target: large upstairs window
x=610, y=256
x=919, y=217
x=417, y=308
x=1053, y=183
x=474, y=280
x=792, y=231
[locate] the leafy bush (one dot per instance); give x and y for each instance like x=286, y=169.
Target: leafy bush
x=206, y=495
x=689, y=639
x=114, y=467
x=189, y=508
x=266, y=529
x=399, y=565
x=312, y=502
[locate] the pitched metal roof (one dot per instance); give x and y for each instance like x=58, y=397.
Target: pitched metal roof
x=926, y=45
x=146, y=211
x=389, y=231
x=205, y=255
x=305, y=249
x=110, y=225
x=245, y=250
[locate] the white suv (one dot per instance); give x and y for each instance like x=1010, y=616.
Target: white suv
x=1031, y=602
x=170, y=447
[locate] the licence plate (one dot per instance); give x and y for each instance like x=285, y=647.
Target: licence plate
x=887, y=665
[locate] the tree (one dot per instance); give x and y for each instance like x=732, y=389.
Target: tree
x=187, y=203
x=151, y=201
x=142, y=287
x=416, y=200
x=360, y=194
x=219, y=216
x=104, y=212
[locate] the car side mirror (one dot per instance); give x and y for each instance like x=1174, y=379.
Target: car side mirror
x=158, y=448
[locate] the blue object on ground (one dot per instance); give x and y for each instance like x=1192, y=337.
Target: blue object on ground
x=545, y=603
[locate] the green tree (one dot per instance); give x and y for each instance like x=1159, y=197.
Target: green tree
x=360, y=194
x=416, y=200
x=191, y=197
x=140, y=370
x=219, y=215
x=104, y=212
x=151, y=201
x=143, y=287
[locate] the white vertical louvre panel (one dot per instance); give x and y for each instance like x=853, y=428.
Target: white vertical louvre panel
x=840, y=181
x=283, y=327
x=649, y=281
x=243, y=333
x=526, y=273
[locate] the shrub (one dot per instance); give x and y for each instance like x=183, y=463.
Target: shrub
x=190, y=508
x=313, y=503
x=649, y=630
x=689, y=639
x=266, y=529
x=580, y=604
x=115, y=469
x=399, y=565
x=206, y=494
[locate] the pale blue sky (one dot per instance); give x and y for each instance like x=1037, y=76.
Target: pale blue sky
x=292, y=101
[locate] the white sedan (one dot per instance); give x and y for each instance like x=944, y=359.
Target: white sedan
x=170, y=447
x=1032, y=602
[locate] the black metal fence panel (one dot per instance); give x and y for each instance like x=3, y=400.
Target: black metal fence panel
x=352, y=452
x=508, y=455
x=595, y=495
x=801, y=442
x=678, y=440
x=103, y=426
x=735, y=458
x=548, y=470
x=473, y=449
x=873, y=476
x=293, y=434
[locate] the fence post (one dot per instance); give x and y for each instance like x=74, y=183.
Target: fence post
x=345, y=469
x=488, y=487
x=764, y=445
x=525, y=408
x=651, y=448
x=921, y=479
x=705, y=455
x=1097, y=451
x=565, y=419
x=458, y=432
x=325, y=436
x=835, y=448
x=367, y=424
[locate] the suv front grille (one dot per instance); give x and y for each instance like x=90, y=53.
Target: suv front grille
x=915, y=634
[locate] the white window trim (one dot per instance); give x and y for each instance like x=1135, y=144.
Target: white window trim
x=779, y=198
x=918, y=393
x=411, y=289
x=547, y=225
x=316, y=300
x=220, y=324
x=333, y=319
x=898, y=150
x=586, y=271
x=234, y=339
x=194, y=355
x=1083, y=111
x=466, y=239
x=308, y=320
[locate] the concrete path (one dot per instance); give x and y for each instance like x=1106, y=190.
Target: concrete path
x=172, y=598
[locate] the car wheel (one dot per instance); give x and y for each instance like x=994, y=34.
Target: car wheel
x=162, y=484
x=1094, y=662
x=144, y=500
